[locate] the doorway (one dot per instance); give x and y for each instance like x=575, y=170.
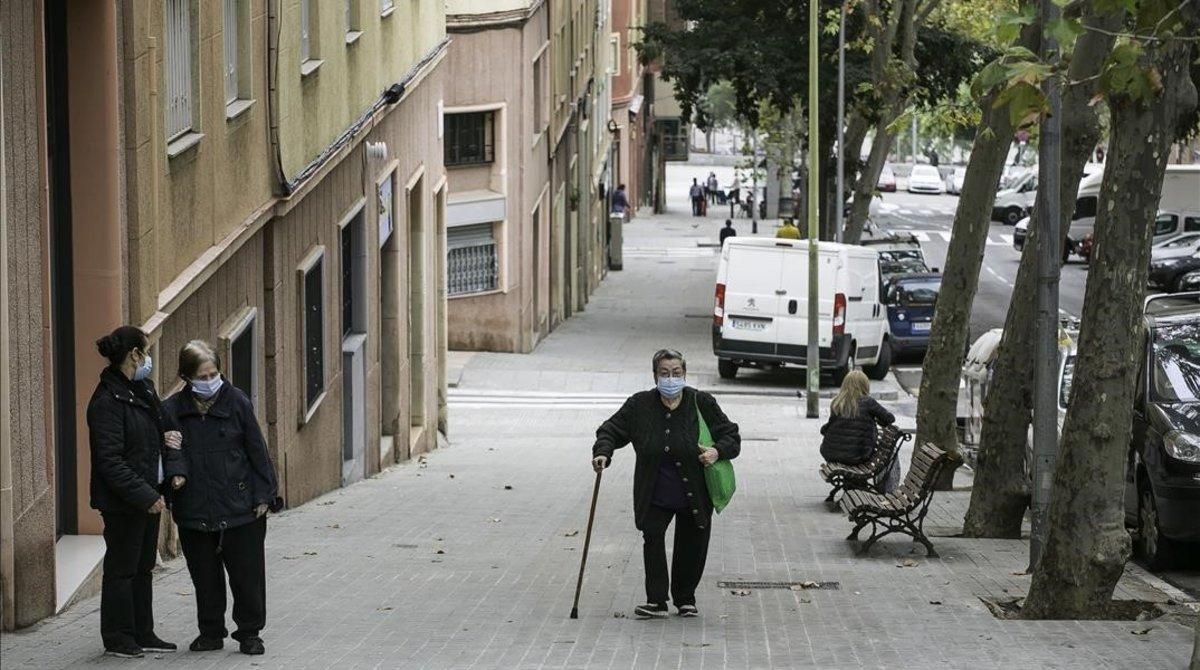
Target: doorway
x=416, y=312
x=390, y=360
x=353, y=260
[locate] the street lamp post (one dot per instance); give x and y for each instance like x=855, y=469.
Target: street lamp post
x=841, y=128
x=1045, y=399
x=754, y=184
x=813, y=361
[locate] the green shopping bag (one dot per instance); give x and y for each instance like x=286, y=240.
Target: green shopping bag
x=718, y=477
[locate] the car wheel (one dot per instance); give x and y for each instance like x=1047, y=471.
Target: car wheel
x=1151, y=546
x=1013, y=216
x=1177, y=283
x=880, y=369
x=726, y=368
x=839, y=373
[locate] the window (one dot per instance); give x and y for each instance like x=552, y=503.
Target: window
x=237, y=344
x=1085, y=208
x=386, y=7
x=540, y=101
x=1191, y=224
x=238, y=59
x=231, y=51
x=177, y=29
x=472, y=263
x=309, y=33
x=1166, y=224
x=347, y=244
x=312, y=327
x=353, y=22
x=469, y=138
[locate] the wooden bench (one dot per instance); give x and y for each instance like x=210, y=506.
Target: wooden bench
x=872, y=474
x=903, y=511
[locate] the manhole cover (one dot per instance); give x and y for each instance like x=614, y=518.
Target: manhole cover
x=805, y=585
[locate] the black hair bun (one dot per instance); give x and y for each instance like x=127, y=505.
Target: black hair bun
x=107, y=346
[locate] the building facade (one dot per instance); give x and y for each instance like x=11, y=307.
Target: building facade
x=580, y=141
x=264, y=175
x=497, y=162
x=632, y=104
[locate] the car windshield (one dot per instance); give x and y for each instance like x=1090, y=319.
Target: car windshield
x=900, y=255
x=1068, y=375
x=1175, y=363
x=1182, y=242
x=925, y=172
x=919, y=291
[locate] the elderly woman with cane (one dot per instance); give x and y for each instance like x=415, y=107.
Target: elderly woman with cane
x=665, y=426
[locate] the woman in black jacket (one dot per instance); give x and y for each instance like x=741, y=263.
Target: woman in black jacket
x=221, y=511
x=668, y=477
x=128, y=449
x=853, y=416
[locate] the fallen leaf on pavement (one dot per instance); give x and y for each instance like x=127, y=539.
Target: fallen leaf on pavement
x=328, y=502
x=495, y=520
x=440, y=551
x=183, y=593
x=336, y=525
x=571, y=534
x=1021, y=574
x=740, y=592
x=702, y=644
x=935, y=602
x=1141, y=631
x=618, y=615
x=384, y=609
x=805, y=600
x=907, y=563
x=451, y=475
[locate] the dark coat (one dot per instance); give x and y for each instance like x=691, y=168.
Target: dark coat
x=851, y=440
x=657, y=433
x=125, y=433
x=225, y=461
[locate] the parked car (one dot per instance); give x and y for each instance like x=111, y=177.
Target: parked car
x=954, y=181
x=898, y=254
x=1014, y=203
x=1168, y=273
x=887, y=180
x=925, y=179
x=1190, y=281
x=1162, y=477
x=1178, y=247
x=760, y=316
x=910, y=301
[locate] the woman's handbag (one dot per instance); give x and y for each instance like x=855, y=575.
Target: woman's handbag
x=718, y=476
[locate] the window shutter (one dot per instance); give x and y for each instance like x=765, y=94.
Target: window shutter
x=231, y=50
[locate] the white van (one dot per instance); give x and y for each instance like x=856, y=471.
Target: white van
x=1014, y=203
x=761, y=314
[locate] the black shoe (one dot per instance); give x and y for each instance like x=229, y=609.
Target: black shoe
x=651, y=611
x=252, y=646
x=207, y=644
x=688, y=611
x=154, y=645
x=124, y=651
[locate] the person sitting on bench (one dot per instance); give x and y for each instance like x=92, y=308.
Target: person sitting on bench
x=850, y=431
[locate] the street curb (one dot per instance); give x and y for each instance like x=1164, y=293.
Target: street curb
x=825, y=394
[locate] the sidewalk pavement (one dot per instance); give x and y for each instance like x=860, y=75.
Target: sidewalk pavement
x=468, y=558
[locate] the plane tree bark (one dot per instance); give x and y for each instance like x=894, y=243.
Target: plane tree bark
x=1149, y=92
x=938, y=399
x=1000, y=493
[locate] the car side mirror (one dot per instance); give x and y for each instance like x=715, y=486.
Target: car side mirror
x=935, y=269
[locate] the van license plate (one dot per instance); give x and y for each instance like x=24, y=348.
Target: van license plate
x=740, y=324
x=921, y=326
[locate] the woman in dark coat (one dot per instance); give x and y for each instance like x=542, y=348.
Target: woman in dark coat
x=221, y=512
x=668, y=477
x=853, y=416
x=128, y=449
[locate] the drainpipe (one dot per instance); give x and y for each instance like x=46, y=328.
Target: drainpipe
x=7, y=559
x=283, y=186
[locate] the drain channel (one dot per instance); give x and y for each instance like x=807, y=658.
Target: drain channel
x=795, y=586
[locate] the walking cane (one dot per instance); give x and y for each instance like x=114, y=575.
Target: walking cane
x=587, y=540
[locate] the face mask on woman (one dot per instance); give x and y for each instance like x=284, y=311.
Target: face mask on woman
x=207, y=388
x=671, y=387
x=144, y=369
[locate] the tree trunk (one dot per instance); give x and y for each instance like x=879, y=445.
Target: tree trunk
x=708, y=140
x=938, y=399
x=1000, y=493
x=1086, y=542
x=868, y=179
x=1195, y=664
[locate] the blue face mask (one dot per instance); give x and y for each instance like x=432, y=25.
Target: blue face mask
x=207, y=388
x=144, y=369
x=671, y=387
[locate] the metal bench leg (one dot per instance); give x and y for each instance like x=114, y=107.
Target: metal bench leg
x=833, y=493
x=875, y=537
x=859, y=524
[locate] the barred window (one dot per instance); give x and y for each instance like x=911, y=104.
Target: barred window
x=470, y=138
x=177, y=30
x=472, y=263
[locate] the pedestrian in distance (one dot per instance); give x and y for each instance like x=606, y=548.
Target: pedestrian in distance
x=849, y=434
x=728, y=231
x=713, y=188
x=663, y=424
x=788, y=231
x=128, y=449
x=620, y=201
x=221, y=510
x=697, y=195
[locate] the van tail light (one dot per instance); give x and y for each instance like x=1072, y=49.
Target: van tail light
x=719, y=307
x=839, y=314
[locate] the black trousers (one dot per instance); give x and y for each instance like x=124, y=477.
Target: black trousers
x=687, y=558
x=239, y=552
x=126, y=595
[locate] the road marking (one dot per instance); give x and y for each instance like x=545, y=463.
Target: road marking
x=929, y=212
x=921, y=235
x=945, y=235
x=998, y=276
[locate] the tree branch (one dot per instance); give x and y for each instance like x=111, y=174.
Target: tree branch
x=926, y=9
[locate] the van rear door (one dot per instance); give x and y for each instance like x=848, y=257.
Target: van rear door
x=793, y=328
x=751, y=299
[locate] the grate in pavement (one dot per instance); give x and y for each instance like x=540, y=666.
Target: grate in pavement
x=805, y=585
